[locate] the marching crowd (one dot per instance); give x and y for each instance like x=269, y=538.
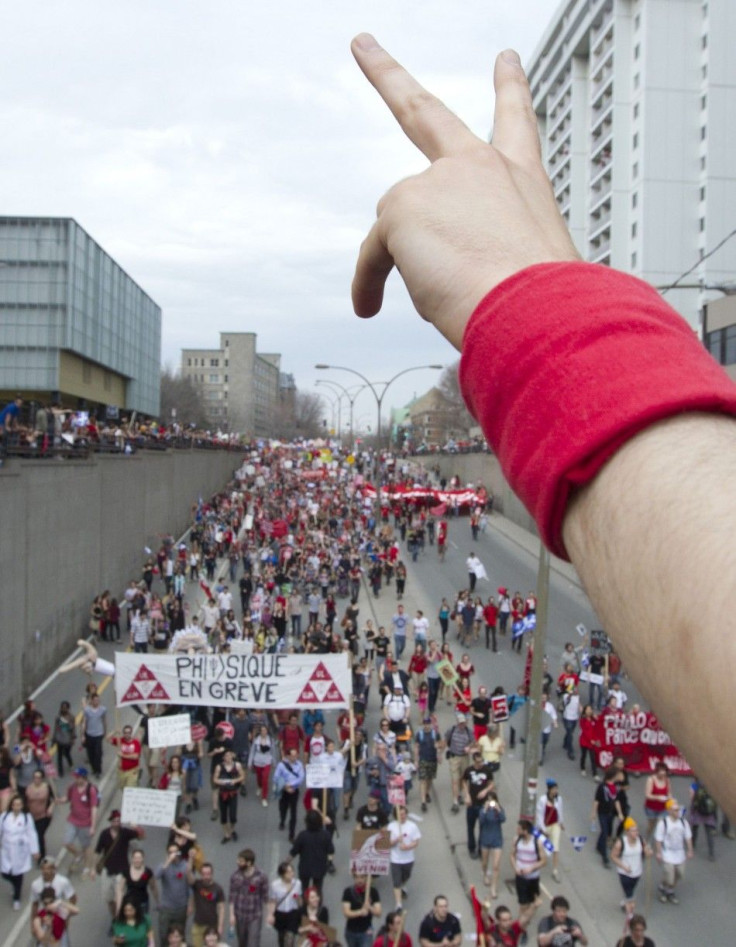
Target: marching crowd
x=300, y=552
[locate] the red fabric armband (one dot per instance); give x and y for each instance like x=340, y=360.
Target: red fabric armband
x=564, y=362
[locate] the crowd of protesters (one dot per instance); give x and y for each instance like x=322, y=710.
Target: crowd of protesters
x=282, y=561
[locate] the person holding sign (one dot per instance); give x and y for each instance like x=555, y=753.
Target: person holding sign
x=360, y=904
x=404, y=836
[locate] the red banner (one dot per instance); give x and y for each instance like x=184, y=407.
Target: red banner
x=640, y=739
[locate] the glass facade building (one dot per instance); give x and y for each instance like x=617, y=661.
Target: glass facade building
x=73, y=324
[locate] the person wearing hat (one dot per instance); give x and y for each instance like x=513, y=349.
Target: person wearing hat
x=550, y=821
x=372, y=816
x=83, y=800
x=112, y=851
x=673, y=842
x=458, y=740
x=628, y=854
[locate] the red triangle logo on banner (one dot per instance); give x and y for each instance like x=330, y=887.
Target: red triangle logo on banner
x=144, y=686
x=320, y=688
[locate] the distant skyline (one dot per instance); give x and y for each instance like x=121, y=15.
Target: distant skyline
x=230, y=158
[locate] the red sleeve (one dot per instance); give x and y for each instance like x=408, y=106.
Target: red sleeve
x=558, y=392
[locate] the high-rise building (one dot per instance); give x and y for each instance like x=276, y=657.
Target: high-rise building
x=635, y=100
x=239, y=385
x=74, y=327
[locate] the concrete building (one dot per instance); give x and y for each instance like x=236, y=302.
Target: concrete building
x=719, y=332
x=634, y=100
x=240, y=386
x=74, y=326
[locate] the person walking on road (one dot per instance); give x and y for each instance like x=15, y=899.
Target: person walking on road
x=404, y=836
x=628, y=854
x=290, y=775
x=673, y=842
x=477, y=786
x=18, y=846
x=94, y=727
x=606, y=807
x=83, y=800
x=492, y=817
x=174, y=877
x=248, y=898
x=440, y=928
x=360, y=904
x=550, y=821
x=458, y=741
x=399, y=624
x=527, y=859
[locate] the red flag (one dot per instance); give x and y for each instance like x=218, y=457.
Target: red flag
x=480, y=927
x=438, y=510
x=206, y=589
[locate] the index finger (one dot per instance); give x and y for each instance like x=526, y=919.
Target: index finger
x=425, y=120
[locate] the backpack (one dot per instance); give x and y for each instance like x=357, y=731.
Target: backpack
x=703, y=802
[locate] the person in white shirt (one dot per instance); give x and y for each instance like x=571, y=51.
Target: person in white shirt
x=616, y=693
x=570, y=717
x=673, y=844
x=550, y=820
x=404, y=836
x=225, y=601
x=549, y=723
x=396, y=708
x=421, y=629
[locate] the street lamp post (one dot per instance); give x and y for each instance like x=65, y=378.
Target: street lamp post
x=335, y=400
x=379, y=397
x=345, y=392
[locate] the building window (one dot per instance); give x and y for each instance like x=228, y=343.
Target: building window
x=636, y=110
x=701, y=224
x=633, y=261
x=635, y=140
x=227, y=343
x=703, y=132
x=637, y=50
x=729, y=354
x=702, y=193
x=704, y=70
x=634, y=198
x=633, y=229
x=704, y=41
x=214, y=379
x=703, y=102
x=702, y=162
x=225, y=379
x=214, y=363
x=636, y=80
x=227, y=361
x=189, y=363
x=637, y=21
x=635, y=170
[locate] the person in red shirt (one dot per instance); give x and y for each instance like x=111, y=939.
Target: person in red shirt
x=503, y=930
x=490, y=617
x=129, y=756
x=291, y=736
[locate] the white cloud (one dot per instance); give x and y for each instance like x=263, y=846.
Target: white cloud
x=230, y=155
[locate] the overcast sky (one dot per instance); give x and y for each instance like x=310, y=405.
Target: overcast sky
x=229, y=156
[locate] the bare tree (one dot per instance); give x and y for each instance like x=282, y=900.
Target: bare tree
x=458, y=418
x=299, y=416
x=184, y=397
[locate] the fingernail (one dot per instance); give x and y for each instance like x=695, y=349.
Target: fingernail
x=511, y=57
x=366, y=42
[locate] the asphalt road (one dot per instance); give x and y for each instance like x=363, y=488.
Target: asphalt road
x=705, y=914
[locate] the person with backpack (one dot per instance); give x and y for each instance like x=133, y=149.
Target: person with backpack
x=703, y=811
x=673, y=840
x=527, y=859
x=628, y=854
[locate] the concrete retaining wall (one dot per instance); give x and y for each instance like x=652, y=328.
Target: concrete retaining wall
x=70, y=529
x=472, y=468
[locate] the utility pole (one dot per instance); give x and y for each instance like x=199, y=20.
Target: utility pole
x=532, y=748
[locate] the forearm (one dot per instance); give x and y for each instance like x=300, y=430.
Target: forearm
x=660, y=515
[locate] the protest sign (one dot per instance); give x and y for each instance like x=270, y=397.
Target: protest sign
x=447, y=672
x=174, y=730
x=370, y=853
x=639, y=739
x=270, y=681
x=499, y=708
x=325, y=775
x=396, y=791
x=149, y=806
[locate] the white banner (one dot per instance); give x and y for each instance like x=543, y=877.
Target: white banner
x=174, y=730
x=325, y=775
x=270, y=681
x=148, y=806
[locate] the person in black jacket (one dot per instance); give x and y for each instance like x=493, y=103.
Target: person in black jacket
x=314, y=847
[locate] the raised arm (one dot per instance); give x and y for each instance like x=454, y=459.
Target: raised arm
x=626, y=472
